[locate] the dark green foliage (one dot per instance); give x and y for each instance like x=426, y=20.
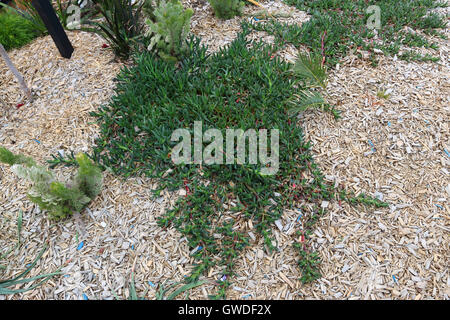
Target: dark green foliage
x=169, y=29
x=362, y=199
x=227, y=9
x=29, y=13
x=121, y=25
x=60, y=200
x=308, y=263
x=148, y=8
x=336, y=27
x=311, y=68
x=61, y=8
x=15, y=31
x=59, y=159
x=242, y=86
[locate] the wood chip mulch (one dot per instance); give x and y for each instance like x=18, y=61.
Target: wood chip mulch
x=395, y=149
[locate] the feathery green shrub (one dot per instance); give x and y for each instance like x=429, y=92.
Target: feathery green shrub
x=169, y=29
x=227, y=9
x=60, y=200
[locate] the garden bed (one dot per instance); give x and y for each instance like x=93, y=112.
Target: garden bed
x=394, y=147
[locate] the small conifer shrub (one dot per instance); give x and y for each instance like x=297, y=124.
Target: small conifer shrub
x=59, y=199
x=169, y=29
x=227, y=9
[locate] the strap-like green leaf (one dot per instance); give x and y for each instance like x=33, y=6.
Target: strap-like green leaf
x=310, y=67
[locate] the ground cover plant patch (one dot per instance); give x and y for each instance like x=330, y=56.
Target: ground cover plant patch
x=242, y=86
x=15, y=31
x=336, y=27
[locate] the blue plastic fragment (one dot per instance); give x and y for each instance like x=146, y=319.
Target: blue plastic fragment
x=447, y=153
x=439, y=206
x=256, y=19
x=395, y=279
x=152, y=284
x=80, y=246
x=37, y=140
x=85, y=297
x=389, y=123
x=246, y=296
x=373, y=146
x=132, y=247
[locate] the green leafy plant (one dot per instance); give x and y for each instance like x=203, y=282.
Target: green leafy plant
x=309, y=67
x=149, y=7
x=163, y=291
x=339, y=27
x=311, y=70
x=60, y=159
x=61, y=7
x=29, y=13
x=382, y=94
x=15, y=30
x=20, y=279
x=308, y=263
x=121, y=25
x=11, y=159
x=305, y=100
x=169, y=30
x=243, y=85
x=184, y=288
x=227, y=9
x=59, y=199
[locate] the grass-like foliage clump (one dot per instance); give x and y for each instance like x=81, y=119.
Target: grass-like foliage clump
x=61, y=200
x=15, y=31
x=243, y=86
x=227, y=9
x=120, y=26
x=337, y=26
